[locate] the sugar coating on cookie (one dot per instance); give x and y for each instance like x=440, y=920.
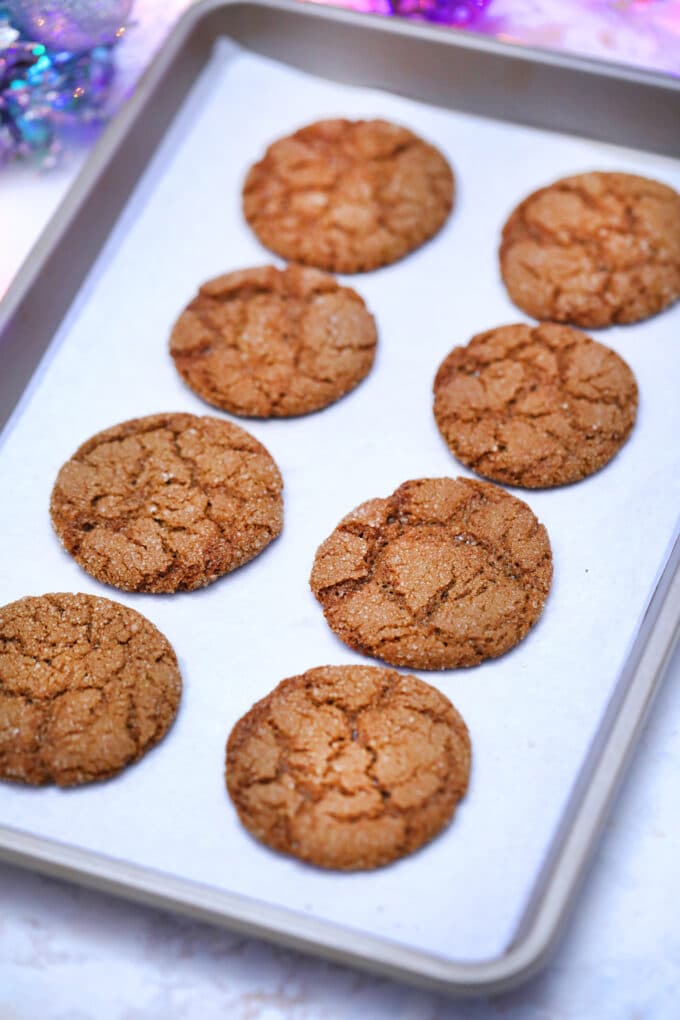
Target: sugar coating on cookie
x=534, y=406
x=87, y=687
x=274, y=343
x=594, y=249
x=168, y=502
x=443, y=573
x=348, y=196
x=348, y=767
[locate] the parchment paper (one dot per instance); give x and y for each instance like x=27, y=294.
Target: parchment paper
x=533, y=713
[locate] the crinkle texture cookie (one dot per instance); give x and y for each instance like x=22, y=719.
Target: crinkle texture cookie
x=443, y=573
x=272, y=343
x=594, y=249
x=167, y=503
x=348, y=767
x=534, y=406
x=348, y=196
x=87, y=686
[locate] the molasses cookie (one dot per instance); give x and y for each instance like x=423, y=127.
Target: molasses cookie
x=595, y=249
x=272, y=343
x=167, y=503
x=348, y=767
x=348, y=196
x=87, y=686
x=443, y=573
x=534, y=406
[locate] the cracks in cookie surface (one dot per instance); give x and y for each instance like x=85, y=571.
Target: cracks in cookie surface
x=167, y=502
x=348, y=196
x=594, y=249
x=87, y=686
x=534, y=406
x=274, y=343
x=446, y=573
x=362, y=766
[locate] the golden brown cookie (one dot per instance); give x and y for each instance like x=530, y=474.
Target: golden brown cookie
x=167, y=503
x=87, y=686
x=443, y=573
x=272, y=343
x=348, y=196
x=594, y=249
x=534, y=406
x=348, y=767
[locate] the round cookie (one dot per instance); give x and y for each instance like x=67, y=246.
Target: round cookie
x=272, y=343
x=348, y=767
x=443, y=573
x=167, y=503
x=534, y=406
x=594, y=249
x=87, y=686
x=348, y=196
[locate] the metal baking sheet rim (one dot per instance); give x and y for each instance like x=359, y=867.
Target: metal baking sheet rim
x=553, y=896
x=612, y=749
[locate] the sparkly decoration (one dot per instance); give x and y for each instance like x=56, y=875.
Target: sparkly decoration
x=73, y=25
x=44, y=91
x=448, y=12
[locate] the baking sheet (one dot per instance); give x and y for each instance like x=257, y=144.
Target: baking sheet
x=533, y=714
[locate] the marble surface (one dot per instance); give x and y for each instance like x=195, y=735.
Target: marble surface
x=70, y=954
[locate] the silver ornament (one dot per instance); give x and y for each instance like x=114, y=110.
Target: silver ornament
x=73, y=25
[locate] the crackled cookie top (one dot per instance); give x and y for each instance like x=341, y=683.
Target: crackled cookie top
x=348, y=196
x=87, y=686
x=594, y=249
x=348, y=767
x=273, y=343
x=443, y=573
x=167, y=502
x=534, y=406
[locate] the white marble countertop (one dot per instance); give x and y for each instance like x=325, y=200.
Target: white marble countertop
x=69, y=954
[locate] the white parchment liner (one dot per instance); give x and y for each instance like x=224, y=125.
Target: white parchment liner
x=532, y=714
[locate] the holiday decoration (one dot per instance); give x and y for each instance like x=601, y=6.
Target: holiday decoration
x=448, y=12
x=73, y=25
x=46, y=87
